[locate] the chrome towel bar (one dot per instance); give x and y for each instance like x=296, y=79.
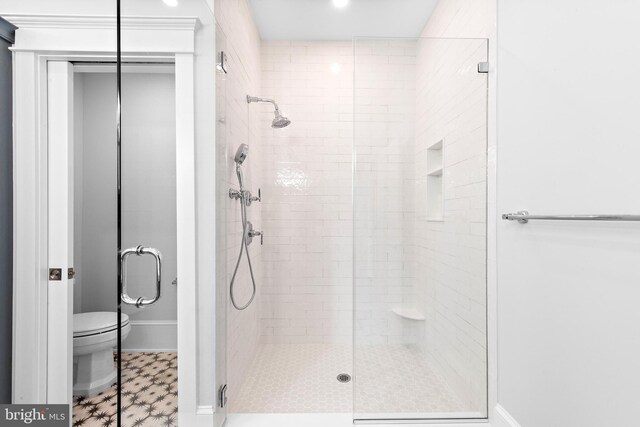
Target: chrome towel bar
x=523, y=217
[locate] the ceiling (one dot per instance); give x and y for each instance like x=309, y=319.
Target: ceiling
x=321, y=20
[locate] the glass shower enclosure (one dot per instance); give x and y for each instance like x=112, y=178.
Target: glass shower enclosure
x=417, y=110
x=160, y=160
x=420, y=202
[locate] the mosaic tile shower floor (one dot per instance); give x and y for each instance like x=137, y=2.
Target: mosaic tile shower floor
x=149, y=395
x=301, y=378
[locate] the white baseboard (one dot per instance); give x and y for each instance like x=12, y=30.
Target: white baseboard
x=152, y=335
x=204, y=410
x=503, y=418
x=198, y=419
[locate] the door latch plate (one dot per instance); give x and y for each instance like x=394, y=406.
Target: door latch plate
x=55, y=274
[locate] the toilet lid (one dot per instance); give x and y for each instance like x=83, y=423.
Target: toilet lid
x=96, y=322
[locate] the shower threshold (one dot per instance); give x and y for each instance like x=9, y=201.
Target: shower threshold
x=334, y=420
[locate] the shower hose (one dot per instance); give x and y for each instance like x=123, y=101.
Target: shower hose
x=243, y=247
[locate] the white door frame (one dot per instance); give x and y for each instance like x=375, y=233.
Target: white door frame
x=40, y=39
x=60, y=231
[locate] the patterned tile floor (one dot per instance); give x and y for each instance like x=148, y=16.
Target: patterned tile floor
x=301, y=378
x=149, y=395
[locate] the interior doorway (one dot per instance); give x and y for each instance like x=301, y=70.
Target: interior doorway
x=148, y=326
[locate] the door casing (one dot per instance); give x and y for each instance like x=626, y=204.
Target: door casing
x=41, y=40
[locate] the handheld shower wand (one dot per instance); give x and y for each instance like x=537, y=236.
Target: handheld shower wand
x=241, y=156
x=245, y=199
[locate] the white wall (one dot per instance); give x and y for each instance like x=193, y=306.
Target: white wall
x=148, y=199
x=242, y=126
x=306, y=287
x=568, y=105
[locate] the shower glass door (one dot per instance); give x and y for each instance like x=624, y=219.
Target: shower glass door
x=166, y=87
x=148, y=352
x=222, y=200
x=420, y=201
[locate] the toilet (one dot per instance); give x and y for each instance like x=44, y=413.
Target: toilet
x=95, y=335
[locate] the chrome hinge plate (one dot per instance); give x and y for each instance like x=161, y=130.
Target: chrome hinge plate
x=222, y=396
x=71, y=273
x=222, y=62
x=483, y=67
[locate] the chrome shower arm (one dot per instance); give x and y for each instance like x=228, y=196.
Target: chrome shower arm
x=251, y=99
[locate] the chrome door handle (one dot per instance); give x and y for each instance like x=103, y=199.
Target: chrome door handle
x=140, y=250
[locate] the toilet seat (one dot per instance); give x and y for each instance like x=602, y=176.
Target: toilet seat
x=96, y=323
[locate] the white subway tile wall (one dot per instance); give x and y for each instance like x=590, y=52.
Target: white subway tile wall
x=242, y=126
x=385, y=92
x=451, y=255
x=306, y=289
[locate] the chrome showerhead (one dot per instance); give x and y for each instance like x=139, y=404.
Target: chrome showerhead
x=279, y=121
x=242, y=153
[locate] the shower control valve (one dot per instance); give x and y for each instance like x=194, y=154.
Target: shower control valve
x=257, y=198
x=242, y=195
x=235, y=194
x=253, y=233
x=250, y=233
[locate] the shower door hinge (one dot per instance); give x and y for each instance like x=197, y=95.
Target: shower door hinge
x=222, y=62
x=71, y=273
x=222, y=396
x=483, y=67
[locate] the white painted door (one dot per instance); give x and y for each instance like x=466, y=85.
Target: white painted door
x=60, y=232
